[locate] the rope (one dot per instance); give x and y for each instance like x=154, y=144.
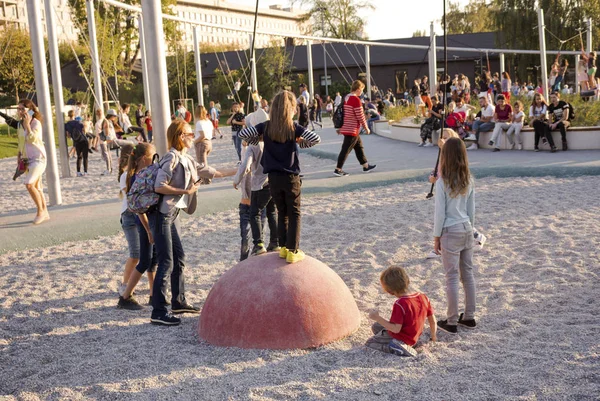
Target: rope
x=365, y=63
x=341, y=62
x=12, y=32
x=292, y=62
x=340, y=71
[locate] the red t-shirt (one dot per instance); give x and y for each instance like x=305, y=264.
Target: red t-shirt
x=410, y=311
x=503, y=114
x=148, y=123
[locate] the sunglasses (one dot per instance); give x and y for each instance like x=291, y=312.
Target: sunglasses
x=188, y=134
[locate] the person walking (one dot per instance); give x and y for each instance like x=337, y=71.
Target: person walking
x=354, y=119
x=75, y=130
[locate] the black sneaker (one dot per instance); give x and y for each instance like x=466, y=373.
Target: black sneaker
x=491, y=143
x=185, y=308
x=340, y=173
x=496, y=150
x=129, y=304
x=273, y=247
x=369, y=168
x=469, y=324
x=448, y=328
x=565, y=146
x=536, y=149
x=166, y=320
x=258, y=249
x=553, y=149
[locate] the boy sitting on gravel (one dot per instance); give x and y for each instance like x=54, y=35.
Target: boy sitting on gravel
x=402, y=331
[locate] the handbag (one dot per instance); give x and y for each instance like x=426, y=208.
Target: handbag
x=22, y=164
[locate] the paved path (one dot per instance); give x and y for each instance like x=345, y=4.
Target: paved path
x=396, y=162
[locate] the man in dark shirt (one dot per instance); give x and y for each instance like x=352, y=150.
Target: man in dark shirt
x=559, y=110
x=74, y=129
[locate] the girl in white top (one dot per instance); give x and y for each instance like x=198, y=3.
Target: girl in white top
x=203, y=134
x=31, y=148
x=538, y=116
x=514, y=131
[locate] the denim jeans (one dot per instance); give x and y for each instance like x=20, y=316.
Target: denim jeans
x=147, y=251
x=150, y=136
x=260, y=202
x=479, y=126
x=131, y=235
x=370, y=121
x=237, y=142
x=244, y=231
x=171, y=261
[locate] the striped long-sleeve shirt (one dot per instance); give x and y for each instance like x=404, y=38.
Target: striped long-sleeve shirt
x=280, y=157
x=354, y=116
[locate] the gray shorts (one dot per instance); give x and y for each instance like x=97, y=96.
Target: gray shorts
x=382, y=341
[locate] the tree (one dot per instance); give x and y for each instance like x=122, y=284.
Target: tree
x=476, y=16
x=273, y=70
x=335, y=18
x=419, y=34
x=16, y=63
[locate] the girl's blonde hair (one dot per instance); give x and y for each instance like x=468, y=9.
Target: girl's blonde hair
x=200, y=113
x=450, y=133
x=454, y=165
x=140, y=151
x=395, y=280
x=174, y=132
x=281, y=117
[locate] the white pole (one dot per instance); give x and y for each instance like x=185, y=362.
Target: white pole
x=589, y=36
x=502, y=65
x=577, y=67
x=432, y=62
x=34, y=17
x=198, y=65
x=57, y=85
x=154, y=38
x=145, y=80
x=543, y=63
x=94, y=50
x=254, y=78
x=368, y=69
x=311, y=85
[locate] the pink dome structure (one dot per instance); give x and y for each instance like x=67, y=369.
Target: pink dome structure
x=264, y=302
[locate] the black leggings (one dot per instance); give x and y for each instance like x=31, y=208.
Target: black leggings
x=82, y=149
x=285, y=189
x=542, y=129
x=351, y=142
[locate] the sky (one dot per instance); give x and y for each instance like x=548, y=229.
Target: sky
x=391, y=18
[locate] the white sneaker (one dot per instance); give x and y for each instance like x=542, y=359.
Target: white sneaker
x=79, y=174
x=421, y=144
x=520, y=146
x=428, y=145
x=432, y=255
x=471, y=137
x=473, y=146
x=105, y=172
x=512, y=146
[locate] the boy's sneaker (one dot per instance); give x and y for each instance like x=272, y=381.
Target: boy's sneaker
x=473, y=146
x=283, y=252
x=258, y=249
x=129, y=304
x=491, y=143
x=294, y=256
x=399, y=348
x=432, y=255
x=185, y=308
x=448, y=328
x=273, y=248
x=166, y=320
x=369, y=168
x=340, y=173
x=469, y=324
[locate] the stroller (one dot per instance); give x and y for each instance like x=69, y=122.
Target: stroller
x=456, y=121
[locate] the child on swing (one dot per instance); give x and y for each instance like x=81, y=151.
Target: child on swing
x=281, y=137
x=480, y=239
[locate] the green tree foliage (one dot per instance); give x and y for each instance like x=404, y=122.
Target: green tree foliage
x=16, y=62
x=340, y=19
x=418, y=33
x=476, y=16
x=273, y=70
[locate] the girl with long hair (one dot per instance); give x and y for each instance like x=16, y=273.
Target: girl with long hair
x=31, y=149
x=538, y=117
x=453, y=232
x=281, y=138
x=203, y=135
x=177, y=180
x=140, y=233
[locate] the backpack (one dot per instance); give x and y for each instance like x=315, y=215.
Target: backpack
x=571, y=112
x=75, y=128
x=141, y=197
x=338, y=116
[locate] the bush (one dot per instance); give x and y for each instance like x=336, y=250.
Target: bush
x=397, y=113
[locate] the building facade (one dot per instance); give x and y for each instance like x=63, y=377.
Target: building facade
x=14, y=12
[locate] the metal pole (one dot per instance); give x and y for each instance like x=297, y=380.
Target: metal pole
x=198, y=65
x=254, y=78
x=94, y=50
x=311, y=85
x=324, y=55
x=154, y=38
x=432, y=61
x=502, y=66
x=543, y=62
x=589, y=36
x=57, y=86
x=368, y=69
x=34, y=17
x=145, y=80
x=577, y=87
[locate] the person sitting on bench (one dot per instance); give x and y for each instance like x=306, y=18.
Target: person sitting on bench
x=485, y=123
x=559, y=110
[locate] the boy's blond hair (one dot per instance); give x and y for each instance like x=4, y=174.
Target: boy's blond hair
x=395, y=280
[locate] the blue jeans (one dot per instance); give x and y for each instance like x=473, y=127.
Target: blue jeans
x=147, y=251
x=237, y=142
x=261, y=206
x=150, y=136
x=244, y=231
x=171, y=261
x=131, y=235
x=370, y=121
x=479, y=126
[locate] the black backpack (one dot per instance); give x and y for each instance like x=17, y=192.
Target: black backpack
x=75, y=128
x=338, y=116
x=571, y=112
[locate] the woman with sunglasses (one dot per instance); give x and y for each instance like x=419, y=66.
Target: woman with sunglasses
x=177, y=182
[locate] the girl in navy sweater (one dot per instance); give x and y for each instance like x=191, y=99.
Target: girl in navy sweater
x=280, y=161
